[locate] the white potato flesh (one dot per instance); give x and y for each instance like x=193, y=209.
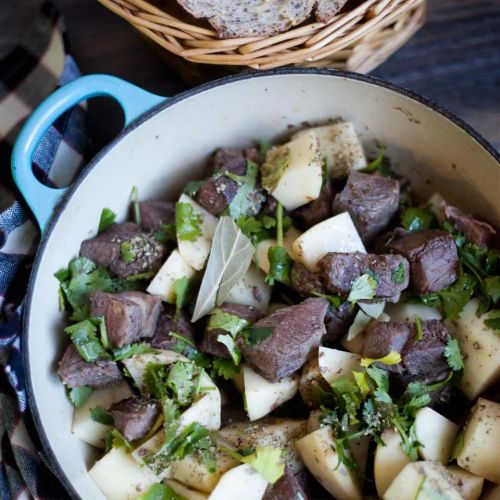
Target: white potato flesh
x=469, y=485
x=334, y=364
x=302, y=178
x=196, y=252
x=480, y=349
x=184, y=491
x=389, y=460
x=361, y=321
x=436, y=433
x=318, y=453
x=192, y=471
x=86, y=429
x=374, y=309
x=262, y=248
x=262, y=396
x=407, y=313
x=251, y=290
x=173, y=269
x=277, y=432
x=336, y=234
x=240, y=483
x=481, y=451
x=120, y=477
x=425, y=481
x=310, y=383
x=340, y=146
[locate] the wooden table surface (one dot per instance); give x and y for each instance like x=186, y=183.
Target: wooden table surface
x=454, y=59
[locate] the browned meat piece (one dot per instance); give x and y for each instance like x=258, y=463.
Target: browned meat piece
x=209, y=343
x=433, y=259
x=297, y=331
x=288, y=487
x=154, y=213
x=218, y=191
x=372, y=201
x=134, y=417
x=76, y=372
x=338, y=321
x=129, y=316
x=167, y=323
x=316, y=211
x=340, y=270
x=142, y=252
x=304, y=281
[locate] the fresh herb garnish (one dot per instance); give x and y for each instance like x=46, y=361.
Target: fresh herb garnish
x=127, y=252
x=184, y=292
x=136, y=207
x=418, y=326
x=393, y=358
x=192, y=187
x=114, y=439
x=244, y=200
x=363, y=288
x=79, y=395
x=335, y=300
x=101, y=416
x=107, y=218
x=129, y=350
x=255, y=335
x=161, y=491
x=280, y=265
x=375, y=164
x=233, y=349
x=277, y=161
x=223, y=320
x=187, y=222
x=84, y=337
x=417, y=219
x=398, y=275
x=453, y=355
x=224, y=368
x=166, y=233
x=259, y=228
x=493, y=321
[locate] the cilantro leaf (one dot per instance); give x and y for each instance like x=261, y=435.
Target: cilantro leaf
x=116, y=440
x=127, y=252
x=166, y=233
x=398, y=276
x=374, y=164
x=107, y=218
x=453, y=355
x=187, y=223
x=335, y=300
x=101, y=416
x=224, y=368
x=79, y=395
x=136, y=208
x=184, y=292
x=363, y=288
x=181, y=380
x=192, y=187
x=161, y=491
x=129, y=350
x=362, y=381
x=229, y=342
x=223, y=320
x=417, y=219
x=492, y=288
x=267, y=461
x=256, y=335
x=245, y=198
x=393, y=358
x=84, y=337
x=277, y=161
x=418, y=326
x=280, y=265
x=256, y=229
x=493, y=321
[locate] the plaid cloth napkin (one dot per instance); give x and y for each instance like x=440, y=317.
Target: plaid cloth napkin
x=28, y=74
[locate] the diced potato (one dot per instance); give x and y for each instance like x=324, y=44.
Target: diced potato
x=336, y=234
x=192, y=471
x=361, y=321
x=184, y=491
x=251, y=290
x=389, y=460
x=173, y=269
x=469, y=485
x=263, y=247
x=340, y=146
x=196, y=252
x=120, y=477
x=318, y=453
x=334, y=364
x=277, y=432
x=359, y=451
x=481, y=450
x=86, y=429
x=425, y=481
x=408, y=312
x=436, y=433
x=310, y=383
x=292, y=173
x=240, y=483
x=262, y=396
x=373, y=309
x=480, y=348
x=314, y=421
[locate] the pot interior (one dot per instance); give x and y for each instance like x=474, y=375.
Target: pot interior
x=165, y=150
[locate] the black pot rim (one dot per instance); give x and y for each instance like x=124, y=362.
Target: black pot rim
x=56, y=466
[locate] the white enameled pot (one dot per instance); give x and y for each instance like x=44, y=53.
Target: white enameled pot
x=167, y=145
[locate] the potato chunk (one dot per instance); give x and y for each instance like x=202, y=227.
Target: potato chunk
x=334, y=364
x=251, y=290
x=249, y=484
x=481, y=451
x=469, y=485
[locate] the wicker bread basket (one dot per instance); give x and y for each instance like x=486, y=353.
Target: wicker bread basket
x=359, y=38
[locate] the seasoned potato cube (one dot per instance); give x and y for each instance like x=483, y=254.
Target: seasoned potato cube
x=310, y=382
x=184, y=491
x=249, y=484
x=469, y=485
x=481, y=451
x=334, y=364
x=408, y=312
x=262, y=248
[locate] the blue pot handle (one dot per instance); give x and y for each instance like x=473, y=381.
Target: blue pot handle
x=42, y=199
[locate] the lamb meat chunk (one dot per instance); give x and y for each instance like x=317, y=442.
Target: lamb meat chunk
x=143, y=252
x=297, y=331
x=433, y=259
x=154, y=213
x=209, y=343
x=76, y=372
x=288, y=487
x=338, y=321
x=167, y=322
x=129, y=316
x=316, y=211
x=371, y=201
x=134, y=417
x=340, y=270
x=304, y=281
x=218, y=191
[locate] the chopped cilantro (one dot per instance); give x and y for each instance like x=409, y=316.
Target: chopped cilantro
x=181, y=380
x=335, y=300
x=255, y=335
x=184, y=292
x=224, y=368
x=376, y=163
x=492, y=288
x=161, y=491
x=243, y=202
x=187, y=222
x=127, y=252
x=277, y=161
x=279, y=224
x=417, y=219
x=398, y=276
x=280, y=265
x=84, y=337
x=114, y=439
x=79, y=395
x=453, y=355
x=259, y=228
x=264, y=146
x=418, y=326
x=166, y=233
x=107, y=218
x=192, y=187
x=129, y=350
x=101, y=416
x=268, y=462
x=362, y=381
x=223, y=320
x=229, y=342
x=393, y=358
x=363, y=288
x=458, y=446
x=136, y=207
x=493, y=321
